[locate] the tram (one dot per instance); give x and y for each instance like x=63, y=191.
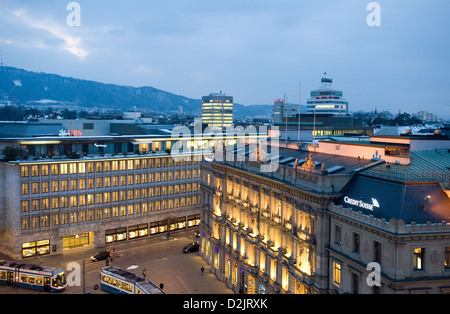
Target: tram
x=118, y=281
x=32, y=276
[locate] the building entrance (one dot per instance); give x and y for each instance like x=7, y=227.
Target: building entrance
x=78, y=240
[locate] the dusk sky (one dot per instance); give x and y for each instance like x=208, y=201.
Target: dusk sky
x=254, y=50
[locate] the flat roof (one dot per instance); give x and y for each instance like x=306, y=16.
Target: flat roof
x=425, y=166
x=334, y=163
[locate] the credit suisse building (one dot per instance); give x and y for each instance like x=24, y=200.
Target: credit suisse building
x=340, y=217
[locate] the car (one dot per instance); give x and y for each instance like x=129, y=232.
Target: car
x=100, y=256
x=191, y=247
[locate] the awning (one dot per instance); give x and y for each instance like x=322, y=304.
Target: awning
x=147, y=142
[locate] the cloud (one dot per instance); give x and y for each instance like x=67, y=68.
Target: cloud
x=71, y=43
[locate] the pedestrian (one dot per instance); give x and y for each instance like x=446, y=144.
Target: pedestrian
x=161, y=285
x=114, y=248
x=202, y=270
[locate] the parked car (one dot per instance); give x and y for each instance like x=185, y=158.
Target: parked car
x=100, y=256
x=191, y=247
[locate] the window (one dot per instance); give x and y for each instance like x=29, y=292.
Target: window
x=44, y=170
x=55, y=219
x=72, y=168
x=63, y=168
x=336, y=273
x=418, y=259
x=55, y=202
x=64, y=185
x=82, y=167
x=25, y=205
x=35, y=187
x=45, y=203
x=54, y=169
x=73, y=200
x=337, y=235
x=25, y=188
x=34, y=170
x=55, y=186
x=25, y=223
x=35, y=204
x=377, y=252
x=45, y=187
x=356, y=242
x=447, y=257
x=355, y=283
x=24, y=171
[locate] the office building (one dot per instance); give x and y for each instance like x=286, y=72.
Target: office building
x=327, y=213
x=62, y=192
x=217, y=110
x=282, y=110
x=327, y=100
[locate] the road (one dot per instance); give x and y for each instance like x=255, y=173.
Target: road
x=162, y=259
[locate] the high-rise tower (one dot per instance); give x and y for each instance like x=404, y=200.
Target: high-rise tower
x=217, y=110
x=327, y=100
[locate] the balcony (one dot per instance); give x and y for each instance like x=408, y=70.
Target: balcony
x=304, y=236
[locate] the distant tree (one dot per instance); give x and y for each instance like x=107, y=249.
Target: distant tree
x=11, y=113
x=12, y=153
x=405, y=119
x=68, y=114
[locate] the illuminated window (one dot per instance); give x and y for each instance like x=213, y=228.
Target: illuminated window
x=63, y=168
x=447, y=257
x=336, y=273
x=24, y=171
x=419, y=259
x=82, y=167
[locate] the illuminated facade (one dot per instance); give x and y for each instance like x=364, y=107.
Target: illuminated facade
x=217, y=110
x=267, y=232
x=63, y=192
x=327, y=100
x=327, y=218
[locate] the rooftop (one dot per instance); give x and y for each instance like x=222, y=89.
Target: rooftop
x=425, y=166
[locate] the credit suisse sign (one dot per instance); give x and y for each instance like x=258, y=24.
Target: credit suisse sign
x=361, y=203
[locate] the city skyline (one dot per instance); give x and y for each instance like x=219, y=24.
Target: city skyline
x=256, y=51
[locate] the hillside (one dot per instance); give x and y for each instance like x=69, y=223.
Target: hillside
x=27, y=88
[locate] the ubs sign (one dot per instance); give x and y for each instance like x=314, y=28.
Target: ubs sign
x=64, y=133
x=362, y=204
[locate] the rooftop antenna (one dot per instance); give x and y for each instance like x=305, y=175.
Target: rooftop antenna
x=286, y=117
x=299, y=110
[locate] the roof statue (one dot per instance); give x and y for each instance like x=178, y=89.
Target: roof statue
x=258, y=154
x=309, y=163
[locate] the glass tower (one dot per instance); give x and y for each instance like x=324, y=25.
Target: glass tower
x=217, y=110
